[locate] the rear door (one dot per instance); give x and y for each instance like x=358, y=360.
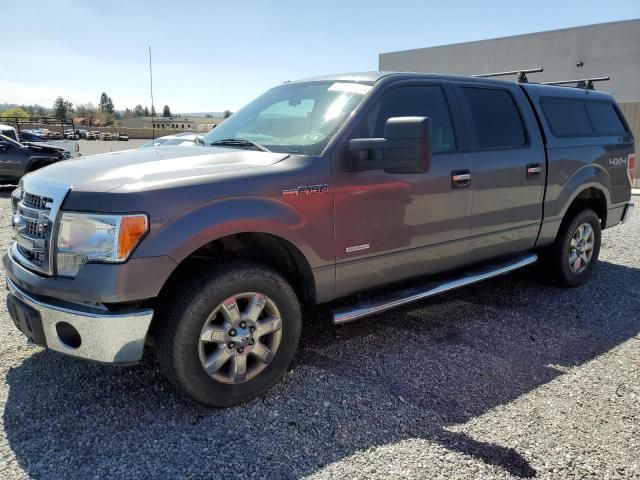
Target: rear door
x=508, y=168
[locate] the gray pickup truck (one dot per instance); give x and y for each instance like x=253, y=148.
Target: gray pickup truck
x=376, y=188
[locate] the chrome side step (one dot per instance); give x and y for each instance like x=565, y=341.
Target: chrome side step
x=402, y=297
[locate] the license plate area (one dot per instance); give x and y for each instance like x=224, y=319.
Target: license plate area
x=27, y=319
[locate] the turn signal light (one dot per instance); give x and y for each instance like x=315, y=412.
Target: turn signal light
x=132, y=229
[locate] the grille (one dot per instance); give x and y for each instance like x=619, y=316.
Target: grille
x=36, y=201
x=33, y=229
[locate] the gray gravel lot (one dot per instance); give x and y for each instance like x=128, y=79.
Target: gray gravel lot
x=93, y=147
x=510, y=378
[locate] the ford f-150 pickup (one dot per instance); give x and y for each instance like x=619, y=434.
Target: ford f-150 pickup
x=402, y=184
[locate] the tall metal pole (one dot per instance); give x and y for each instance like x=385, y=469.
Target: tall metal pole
x=153, y=122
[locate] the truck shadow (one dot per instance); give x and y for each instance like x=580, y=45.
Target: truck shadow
x=413, y=373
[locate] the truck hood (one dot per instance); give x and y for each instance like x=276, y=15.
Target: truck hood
x=151, y=167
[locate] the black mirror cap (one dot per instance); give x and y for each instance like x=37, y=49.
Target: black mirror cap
x=405, y=148
x=409, y=147
x=398, y=128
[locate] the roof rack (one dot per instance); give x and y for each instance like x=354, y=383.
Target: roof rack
x=522, y=74
x=580, y=82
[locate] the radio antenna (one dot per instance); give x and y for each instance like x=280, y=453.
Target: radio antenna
x=153, y=109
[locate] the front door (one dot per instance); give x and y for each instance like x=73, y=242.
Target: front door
x=392, y=226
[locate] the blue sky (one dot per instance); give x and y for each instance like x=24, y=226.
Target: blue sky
x=210, y=56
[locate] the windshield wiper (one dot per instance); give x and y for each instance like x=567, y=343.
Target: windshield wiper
x=239, y=142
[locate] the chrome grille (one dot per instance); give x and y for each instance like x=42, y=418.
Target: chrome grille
x=32, y=227
x=36, y=201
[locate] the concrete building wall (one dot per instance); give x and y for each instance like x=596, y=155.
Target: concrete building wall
x=606, y=49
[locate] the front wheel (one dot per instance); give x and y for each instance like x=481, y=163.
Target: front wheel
x=576, y=249
x=229, y=334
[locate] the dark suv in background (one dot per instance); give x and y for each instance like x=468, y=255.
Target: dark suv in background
x=17, y=159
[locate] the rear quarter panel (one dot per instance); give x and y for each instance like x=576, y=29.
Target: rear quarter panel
x=578, y=163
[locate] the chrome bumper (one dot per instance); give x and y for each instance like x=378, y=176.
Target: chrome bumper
x=626, y=215
x=103, y=336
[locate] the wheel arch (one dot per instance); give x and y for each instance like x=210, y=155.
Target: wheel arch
x=591, y=196
x=269, y=249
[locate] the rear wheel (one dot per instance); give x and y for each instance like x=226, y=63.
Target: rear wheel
x=576, y=249
x=229, y=334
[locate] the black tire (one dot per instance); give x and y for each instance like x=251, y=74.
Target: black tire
x=184, y=312
x=558, y=254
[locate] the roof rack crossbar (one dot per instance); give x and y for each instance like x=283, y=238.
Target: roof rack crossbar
x=586, y=83
x=521, y=73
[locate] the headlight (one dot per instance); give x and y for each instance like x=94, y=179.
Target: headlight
x=86, y=237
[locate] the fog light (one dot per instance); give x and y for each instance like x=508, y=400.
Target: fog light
x=68, y=335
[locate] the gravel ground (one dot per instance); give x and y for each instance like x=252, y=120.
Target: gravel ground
x=93, y=147
x=510, y=378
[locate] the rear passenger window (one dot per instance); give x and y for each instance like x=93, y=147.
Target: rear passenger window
x=604, y=118
x=571, y=117
x=567, y=117
x=496, y=118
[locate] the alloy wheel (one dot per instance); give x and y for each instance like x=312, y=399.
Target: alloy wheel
x=240, y=338
x=581, y=248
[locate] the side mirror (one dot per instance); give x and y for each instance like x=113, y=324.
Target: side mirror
x=405, y=148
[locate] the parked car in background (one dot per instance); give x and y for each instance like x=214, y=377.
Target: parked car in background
x=82, y=133
x=51, y=135
x=17, y=159
x=105, y=136
x=123, y=137
x=179, y=139
x=91, y=136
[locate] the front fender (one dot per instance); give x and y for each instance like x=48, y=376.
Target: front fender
x=227, y=216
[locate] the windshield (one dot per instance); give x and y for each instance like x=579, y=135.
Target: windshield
x=4, y=138
x=294, y=117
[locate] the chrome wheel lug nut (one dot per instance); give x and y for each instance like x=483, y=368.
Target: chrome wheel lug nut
x=240, y=350
x=252, y=342
x=243, y=324
x=232, y=332
x=252, y=329
x=231, y=345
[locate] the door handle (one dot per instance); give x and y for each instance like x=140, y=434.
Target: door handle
x=533, y=169
x=460, y=178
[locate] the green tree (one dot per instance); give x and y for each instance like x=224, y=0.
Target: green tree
x=15, y=112
x=166, y=111
x=106, y=104
x=62, y=108
x=102, y=104
x=138, y=111
x=153, y=111
x=227, y=114
x=146, y=111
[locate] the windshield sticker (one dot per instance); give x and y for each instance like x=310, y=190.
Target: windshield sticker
x=358, y=88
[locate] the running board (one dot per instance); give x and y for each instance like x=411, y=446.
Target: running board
x=402, y=297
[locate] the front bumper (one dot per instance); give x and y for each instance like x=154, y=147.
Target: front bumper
x=96, y=334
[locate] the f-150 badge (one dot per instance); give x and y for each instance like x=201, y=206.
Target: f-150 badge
x=305, y=189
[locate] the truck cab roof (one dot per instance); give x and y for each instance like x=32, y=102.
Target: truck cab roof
x=534, y=89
